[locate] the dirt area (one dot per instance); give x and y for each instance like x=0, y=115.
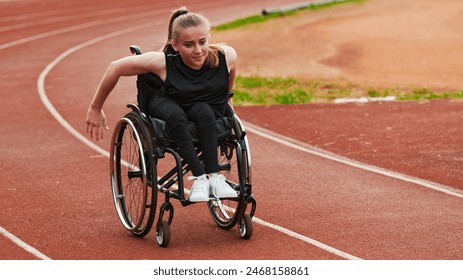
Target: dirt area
x=382, y=43
x=378, y=43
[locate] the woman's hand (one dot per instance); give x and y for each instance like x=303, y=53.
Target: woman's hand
x=96, y=121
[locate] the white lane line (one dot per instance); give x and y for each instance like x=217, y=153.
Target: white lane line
x=49, y=105
x=49, y=20
x=23, y=244
x=85, y=140
x=304, y=147
x=301, y=237
x=77, y=27
x=306, y=239
x=62, y=18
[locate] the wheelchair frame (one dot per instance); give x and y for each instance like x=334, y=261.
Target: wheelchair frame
x=136, y=151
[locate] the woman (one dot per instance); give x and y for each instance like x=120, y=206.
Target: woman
x=197, y=78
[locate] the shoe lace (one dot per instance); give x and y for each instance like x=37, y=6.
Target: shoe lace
x=191, y=178
x=196, y=177
x=220, y=177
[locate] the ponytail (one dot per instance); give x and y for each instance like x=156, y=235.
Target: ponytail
x=173, y=16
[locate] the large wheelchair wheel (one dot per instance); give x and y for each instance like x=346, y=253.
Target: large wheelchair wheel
x=132, y=171
x=234, y=161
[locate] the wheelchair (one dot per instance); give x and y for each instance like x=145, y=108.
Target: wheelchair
x=146, y=171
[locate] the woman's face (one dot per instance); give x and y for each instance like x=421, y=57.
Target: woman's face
x=192, y=44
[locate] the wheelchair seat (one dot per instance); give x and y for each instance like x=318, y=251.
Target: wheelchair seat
x=162, y=133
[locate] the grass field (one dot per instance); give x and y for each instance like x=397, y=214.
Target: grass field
x=260, y=90
x=274, y=90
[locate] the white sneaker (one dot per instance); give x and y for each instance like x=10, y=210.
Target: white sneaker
x=220, y=188
x=200, y=189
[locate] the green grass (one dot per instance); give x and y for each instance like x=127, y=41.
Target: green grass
x=262, y=18
x=264, y=90
x=245, y=21
x=428, y=94
x=269, y=91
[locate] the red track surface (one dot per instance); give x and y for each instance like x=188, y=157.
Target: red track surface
x=55, y=193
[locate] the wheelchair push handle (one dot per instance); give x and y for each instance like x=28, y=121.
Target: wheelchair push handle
x=135, y=49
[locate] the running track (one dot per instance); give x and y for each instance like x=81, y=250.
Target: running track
x=55, y=197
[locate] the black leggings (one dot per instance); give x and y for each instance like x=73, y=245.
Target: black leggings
x=177, y=121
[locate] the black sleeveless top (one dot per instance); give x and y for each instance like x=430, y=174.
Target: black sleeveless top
x=188, y=86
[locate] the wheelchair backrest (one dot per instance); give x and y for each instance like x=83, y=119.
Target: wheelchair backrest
x=147, y=85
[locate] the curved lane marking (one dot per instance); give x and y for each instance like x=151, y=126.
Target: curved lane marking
x=44, y=73
x=61, y=18
x=304, y=147
x=75, y=28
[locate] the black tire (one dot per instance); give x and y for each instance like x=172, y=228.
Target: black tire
x=133, y=175
x=246, y=226
x=163, y=234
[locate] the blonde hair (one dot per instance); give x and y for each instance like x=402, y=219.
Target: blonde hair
x=181, y=19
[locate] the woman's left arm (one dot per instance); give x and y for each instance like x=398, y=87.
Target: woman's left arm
x=231, y=57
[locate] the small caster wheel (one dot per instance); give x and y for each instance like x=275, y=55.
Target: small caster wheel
x=246, y=226
x=163, y=234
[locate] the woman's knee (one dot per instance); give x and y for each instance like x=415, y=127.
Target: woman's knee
x=201, y=113
x=177, y=117
x=169, y=111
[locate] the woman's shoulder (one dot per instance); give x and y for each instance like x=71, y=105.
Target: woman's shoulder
x=155, y=61
x=154, y=55
x=150, y=58
x=227, y=49
x=229, y=52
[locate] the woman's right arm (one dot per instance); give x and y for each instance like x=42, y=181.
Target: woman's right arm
x=127, y=66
